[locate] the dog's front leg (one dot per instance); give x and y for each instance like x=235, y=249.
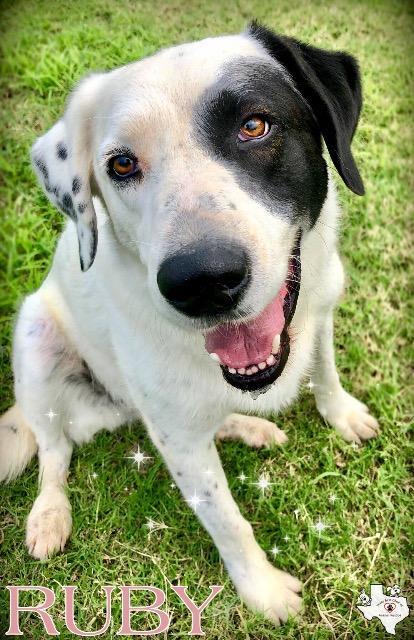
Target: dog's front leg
x=348, y=415
x=192, y=458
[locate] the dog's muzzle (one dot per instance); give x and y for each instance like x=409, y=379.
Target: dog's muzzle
x=207, y=281
x=253, y=354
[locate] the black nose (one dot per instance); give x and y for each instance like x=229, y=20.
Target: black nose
x=205, y=279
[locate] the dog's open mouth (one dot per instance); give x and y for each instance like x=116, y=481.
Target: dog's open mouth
x=253, y=355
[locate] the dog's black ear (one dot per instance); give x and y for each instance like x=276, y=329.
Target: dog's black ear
x=330, y=83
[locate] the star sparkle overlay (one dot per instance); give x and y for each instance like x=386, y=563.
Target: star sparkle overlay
x=154, y=526
x=51, y=415
x=139, y=457
x=320, y=527
x=263, y=483
x=195, y=501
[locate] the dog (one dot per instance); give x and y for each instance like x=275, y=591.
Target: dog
x=195, y=280
x=364, y=599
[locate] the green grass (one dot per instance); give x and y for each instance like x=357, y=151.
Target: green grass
x=46, y=48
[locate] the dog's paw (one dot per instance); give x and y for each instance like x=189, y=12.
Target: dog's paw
x=348, y=416
x=255, y=432
x=271, y=592
x=49, y=524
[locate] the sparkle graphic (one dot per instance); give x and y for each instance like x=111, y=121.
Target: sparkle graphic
x=263, y=483
x=173, y=485
x=320, y=526
x=209, y=472
x=275, y=550
x=152, y=526
x=94, y=475
x=139, y=457
x=195, y=501
x=332, y=498
x=242, y=477
x=286, y=538
x=51, y=414
x=311, y=385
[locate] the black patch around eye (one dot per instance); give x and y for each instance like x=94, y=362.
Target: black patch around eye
x=61, y=151
x=82, y=207
x=284, y=170
x=76, y=185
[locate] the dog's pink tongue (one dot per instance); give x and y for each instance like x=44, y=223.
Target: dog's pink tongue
x=240, y=345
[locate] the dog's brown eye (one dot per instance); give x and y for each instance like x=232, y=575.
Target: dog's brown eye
x=253, y=128
x=123, y=166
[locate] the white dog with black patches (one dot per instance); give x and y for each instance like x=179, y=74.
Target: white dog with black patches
x=206, y=222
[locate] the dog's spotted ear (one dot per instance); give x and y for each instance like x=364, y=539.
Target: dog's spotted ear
x=62, y=159
x=330, y=83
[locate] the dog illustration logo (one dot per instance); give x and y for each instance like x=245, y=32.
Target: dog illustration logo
x=389, y=609
x=394, y=591
x=364, y=598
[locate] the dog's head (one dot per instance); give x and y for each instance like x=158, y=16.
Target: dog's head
x=208, y=160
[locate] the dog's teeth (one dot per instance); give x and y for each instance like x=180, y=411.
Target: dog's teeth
x=214, y=357
x=276, y=343
x=231, y=370
x=242, y=371
x=249, y=372
x=254, y=369
x=262, y=365
x=271, y=359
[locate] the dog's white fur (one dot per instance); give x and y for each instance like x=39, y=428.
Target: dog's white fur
x=151, y=360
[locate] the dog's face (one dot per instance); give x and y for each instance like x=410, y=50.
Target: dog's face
x=208, y=160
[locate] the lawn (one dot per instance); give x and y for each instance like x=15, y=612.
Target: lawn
x=46, y=48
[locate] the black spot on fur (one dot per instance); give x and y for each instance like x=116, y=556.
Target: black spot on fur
x=208, y=202
x=67, y=201
x=66, y=204
x=76, y=185
x=41, y=165
x=216, y=485
x=179, y=473
x=13, y=428
x=208, y=494
x=232, y=206
x=94, y=242
x=82, y=207
x=61, y=151
x=87, y=379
